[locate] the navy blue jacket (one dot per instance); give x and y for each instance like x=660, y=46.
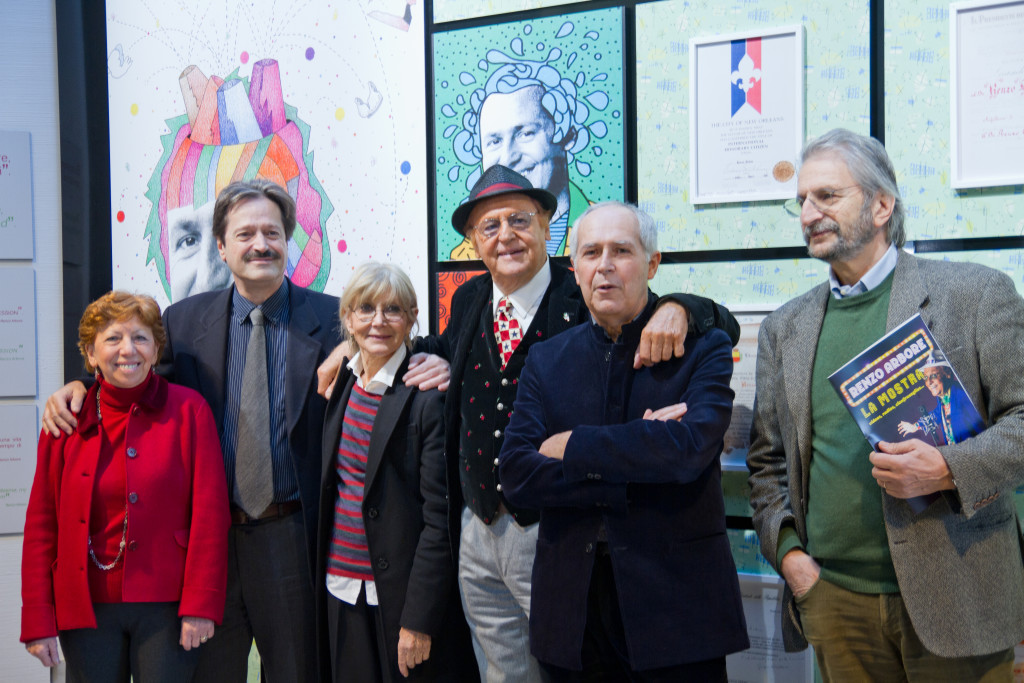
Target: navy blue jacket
x=654, y=486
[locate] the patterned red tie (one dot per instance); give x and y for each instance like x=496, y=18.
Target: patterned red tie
x=506, y=331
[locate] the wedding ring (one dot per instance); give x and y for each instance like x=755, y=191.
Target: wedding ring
x=203, y=639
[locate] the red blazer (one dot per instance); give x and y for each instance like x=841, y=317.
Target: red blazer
x=178, y=516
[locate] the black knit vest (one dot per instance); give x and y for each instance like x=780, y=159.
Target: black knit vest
x=487, y=398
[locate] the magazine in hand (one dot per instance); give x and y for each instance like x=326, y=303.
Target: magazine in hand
x=902, y=387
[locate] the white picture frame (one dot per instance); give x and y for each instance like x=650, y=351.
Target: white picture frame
x=746, y=115
x=986, y=58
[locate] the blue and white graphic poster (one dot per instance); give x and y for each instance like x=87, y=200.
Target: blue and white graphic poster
x=746, y=116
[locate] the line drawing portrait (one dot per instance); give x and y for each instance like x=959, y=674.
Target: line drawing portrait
x=325, y=98
x=547, y=104
x=233, y=129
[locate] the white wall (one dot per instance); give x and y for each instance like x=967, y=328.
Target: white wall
x=28, y=102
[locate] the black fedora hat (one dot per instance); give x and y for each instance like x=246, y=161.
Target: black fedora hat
x=499, y=180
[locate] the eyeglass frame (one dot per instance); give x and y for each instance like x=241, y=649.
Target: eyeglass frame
x=795, y=206
x=507, y=220
x=938, y=375
x=386, y=316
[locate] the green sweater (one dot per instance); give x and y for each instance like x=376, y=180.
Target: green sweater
x=845, y=526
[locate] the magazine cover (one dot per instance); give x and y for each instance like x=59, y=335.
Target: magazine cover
x=902, y=387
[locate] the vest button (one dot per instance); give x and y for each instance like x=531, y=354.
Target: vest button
x=496, y=463
x=132, y=452
x=504, y=381
x=372, y=513
x=132, y=545
x=382, y=563
x=500, y=406
x=497, y=433
x=498, y=488
x=133, y=497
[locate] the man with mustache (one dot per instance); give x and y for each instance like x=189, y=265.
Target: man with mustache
x=880, y=592
x=272, y=542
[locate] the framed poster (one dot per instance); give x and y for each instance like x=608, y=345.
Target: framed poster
x=19, y=431
x=767, y=659
x=746, y=115
x=744, y=376
x=15, y=195
x=18, y=331
x=326, y=99
x=543, y=96
x=986, y=104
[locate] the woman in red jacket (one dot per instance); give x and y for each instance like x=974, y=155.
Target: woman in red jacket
x=125, y=554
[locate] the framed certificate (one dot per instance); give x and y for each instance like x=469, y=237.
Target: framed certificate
x=746, y=115
x=986, y=104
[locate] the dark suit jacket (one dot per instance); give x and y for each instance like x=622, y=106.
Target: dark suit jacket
x=403, y=507
x=958, y=562
x=566, y=309
x=653, y=486
x=196, y=355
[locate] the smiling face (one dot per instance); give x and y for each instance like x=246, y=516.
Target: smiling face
x=380, y=336
x=611, y=267
x=512, y=258
x=195, y=265
x=123, y=352
x=516, y=131
x=255, y=248
x=935, y=379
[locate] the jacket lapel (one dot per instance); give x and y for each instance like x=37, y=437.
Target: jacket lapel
x=302, y=356
x=211, y=349
x=798, y=363
x=392, y=406
x=333, y=419
x=909, y=296
x=476, y=308
x=563, y=301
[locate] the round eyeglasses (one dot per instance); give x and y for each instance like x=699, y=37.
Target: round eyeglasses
x=392, y=313
x=823, y=200
x=520, y=221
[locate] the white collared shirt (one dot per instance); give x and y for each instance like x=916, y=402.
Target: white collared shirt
x=871, y=279
x=526, y=300
x=345, y=588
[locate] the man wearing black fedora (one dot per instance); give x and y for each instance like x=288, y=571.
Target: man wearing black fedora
x=522, y=299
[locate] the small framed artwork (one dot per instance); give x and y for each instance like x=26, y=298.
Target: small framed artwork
x=986, y=103
x=746, y=115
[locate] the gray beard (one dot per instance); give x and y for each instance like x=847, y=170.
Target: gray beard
x=846, y=245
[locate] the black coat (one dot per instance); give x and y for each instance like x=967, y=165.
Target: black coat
x=404, y=508
x=196, y=356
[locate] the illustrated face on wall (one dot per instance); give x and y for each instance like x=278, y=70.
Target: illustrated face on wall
x=516, y=131
x=195, y=265
x=232, y=129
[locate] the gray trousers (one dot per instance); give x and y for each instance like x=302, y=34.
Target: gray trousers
x=495, y=568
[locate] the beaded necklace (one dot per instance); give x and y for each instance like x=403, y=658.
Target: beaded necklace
x=124, y=527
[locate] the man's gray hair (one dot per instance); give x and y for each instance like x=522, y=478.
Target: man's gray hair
x=870, y=166
x=644, y=224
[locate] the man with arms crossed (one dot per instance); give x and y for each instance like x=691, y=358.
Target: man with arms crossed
x=271, y=549
x=882, y=593
x=634, y=577
x=524, y=298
